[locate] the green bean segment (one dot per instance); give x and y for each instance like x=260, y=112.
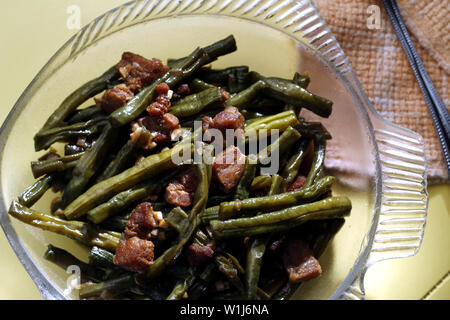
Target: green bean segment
x=195, y=103
x=334, y=207
x=73, y=229
x=40, y=168
x=230, y=209
x=294, y=94
x=33, y=193
x=67, y=133
x=88, y=164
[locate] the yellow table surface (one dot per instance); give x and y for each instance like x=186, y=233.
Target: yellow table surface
x=33, y=30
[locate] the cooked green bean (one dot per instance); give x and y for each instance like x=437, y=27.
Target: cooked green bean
x=116, y=223
x=189, y=122
x=88, y=164
x=289, y=137
x=195, y=103
x=312, y=129
x=235, y=77
x=264, y=104
x=251, y=115
x=201, y=238
x=318, y=159
x=257, y=248
x=120, y=202
x=101, y=258
x=124, y=199
x=238, y=79
x=104, y=190
x=243, y=187
x=290, y=171
x=261, y=182
x=329, y=208
x=77, y=230
x=89, y=113
x=280, y=121
x=177, y=219
x=198, y=85
x=235, y=261
x=119, y=285
x=283, y=143
x=243, y=97
x=214, y=50
x=34, y=192
x=120, y=162
x=294, y=94
x=64, y=259
x=67, y=133
x=211, y=213
x=79, y=96
x=40, y=168
x=255, y=255
x=221, y=48
x=275, y=202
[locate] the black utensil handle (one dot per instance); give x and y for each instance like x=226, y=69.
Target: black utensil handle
x=438, y=111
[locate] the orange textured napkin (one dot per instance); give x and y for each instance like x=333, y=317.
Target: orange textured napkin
x=383, y=69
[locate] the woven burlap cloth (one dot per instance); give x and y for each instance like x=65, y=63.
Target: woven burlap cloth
x=383, y=68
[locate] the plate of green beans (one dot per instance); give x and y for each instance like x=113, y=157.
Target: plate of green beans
x=254, y=240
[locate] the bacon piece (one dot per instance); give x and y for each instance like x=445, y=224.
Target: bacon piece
x=228, y=168
x=171, y=121
x=198, y=254
x=114, y=98
x=181, y=191
x=138, y=71
x=225, y=95
x=158, y=130
x=160, y=126
x=141, y=221
x=162, y=103
x=162, y=89
x=230, y=118
x=134, y=254
x=298, y=183
x=299, y=262
x=177, y=195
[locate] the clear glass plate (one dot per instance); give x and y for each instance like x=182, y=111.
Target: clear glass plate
x=380, y=166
